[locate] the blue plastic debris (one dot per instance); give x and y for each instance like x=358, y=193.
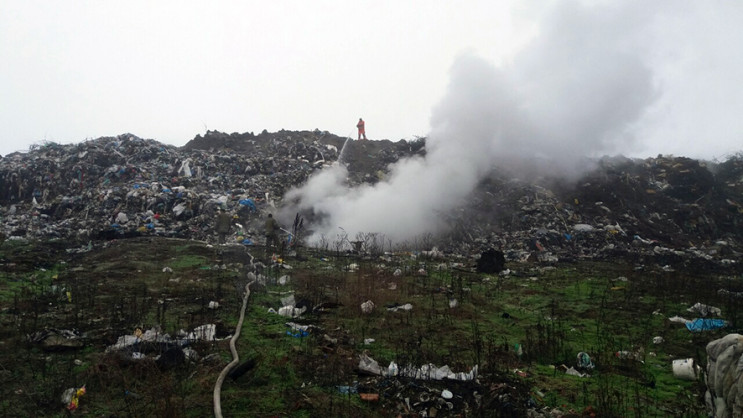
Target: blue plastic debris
x=247, y=242
x=249, y=203
x=300, y=334
x=705, y=324
x=347, y=390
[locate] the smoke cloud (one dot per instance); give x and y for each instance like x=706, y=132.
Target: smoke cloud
x=575, y=91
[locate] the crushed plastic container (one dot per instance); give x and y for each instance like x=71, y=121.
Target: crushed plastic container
x=685, y=369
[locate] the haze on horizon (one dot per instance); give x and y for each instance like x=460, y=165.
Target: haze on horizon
x=171, y=70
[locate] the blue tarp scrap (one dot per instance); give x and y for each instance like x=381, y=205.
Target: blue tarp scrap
x=249, y=203
x=247, y=242
x=705, y=324
x=299, y=334
x=348, y=389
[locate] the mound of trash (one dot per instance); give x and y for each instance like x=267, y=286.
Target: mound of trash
x=667, y=210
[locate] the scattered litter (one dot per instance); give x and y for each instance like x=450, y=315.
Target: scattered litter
x=425, y=372
x=705, y=310
x=349, y=389
x=491, y=261
x=204, y=333
x=395, y=307
x=725, y=292
x=583, y=228
x=71, y=397
x=369, y=397
x=57, y=339
x=298, y=327
x=213, y=305
x=584, y=361
x=572, y=372
x=629, y=355
x=679, y=320
x=288, y=300
x=291, y=312
x=367, y=307
x=685, y=369
x=299, y=334
x=658, y=340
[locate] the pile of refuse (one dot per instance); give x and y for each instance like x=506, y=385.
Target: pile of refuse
x=664, y=210
x=668, y=210
x=124, y=186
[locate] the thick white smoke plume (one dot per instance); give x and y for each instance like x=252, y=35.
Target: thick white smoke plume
x=574, y=92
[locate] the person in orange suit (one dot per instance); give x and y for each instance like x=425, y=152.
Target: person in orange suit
x=362, y=131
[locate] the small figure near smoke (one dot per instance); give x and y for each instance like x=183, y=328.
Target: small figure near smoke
x=224, y=223
x=272, y=229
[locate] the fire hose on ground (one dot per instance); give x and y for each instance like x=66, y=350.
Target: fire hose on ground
x=235, y=357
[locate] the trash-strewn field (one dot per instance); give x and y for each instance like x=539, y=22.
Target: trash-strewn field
x=143, y=325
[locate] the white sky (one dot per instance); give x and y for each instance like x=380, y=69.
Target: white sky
x=168, y=70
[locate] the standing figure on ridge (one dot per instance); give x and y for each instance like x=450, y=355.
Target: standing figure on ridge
x=362, y=131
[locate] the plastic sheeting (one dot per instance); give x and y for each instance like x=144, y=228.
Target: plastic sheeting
x=705, y=324
x=724, y=397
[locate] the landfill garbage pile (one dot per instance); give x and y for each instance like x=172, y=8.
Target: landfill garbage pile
x=724, y=397
x=667, y=210
x=117, y=187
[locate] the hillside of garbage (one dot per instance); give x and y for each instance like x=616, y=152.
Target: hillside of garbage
x=662, y=209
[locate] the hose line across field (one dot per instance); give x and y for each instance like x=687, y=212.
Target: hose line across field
x=235, y=357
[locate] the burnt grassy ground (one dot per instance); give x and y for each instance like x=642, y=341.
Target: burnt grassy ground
x=61, y=313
